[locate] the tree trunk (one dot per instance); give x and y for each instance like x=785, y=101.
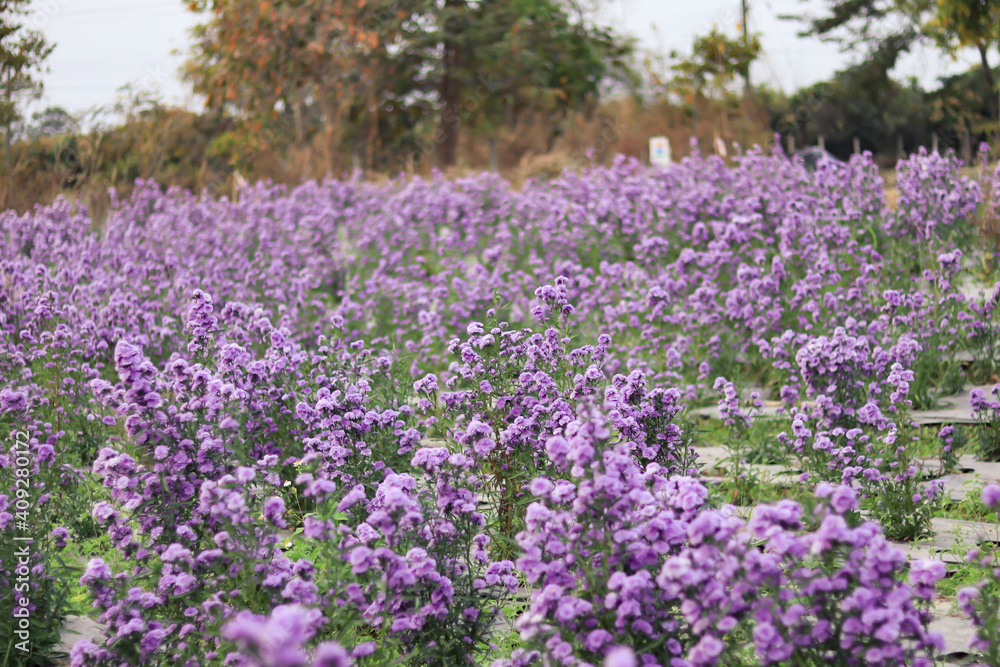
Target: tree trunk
x=8, y=94
x=297, y=116
x=450, y=90
x=331, y=130
x=327, y=113
x=494, y=162
x=990, y=86
x=372, y=142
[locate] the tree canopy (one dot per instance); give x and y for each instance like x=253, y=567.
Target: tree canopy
x=970, y=23
x=413, y=74
x=880, y=30
x=22, y=56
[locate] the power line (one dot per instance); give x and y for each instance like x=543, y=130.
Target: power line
x=112, y=10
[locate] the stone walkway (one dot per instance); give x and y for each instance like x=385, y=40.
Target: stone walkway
x=76, y=628
x=957, y=632
x=954, y=409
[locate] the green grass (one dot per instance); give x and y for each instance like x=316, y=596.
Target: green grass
x=969, y=508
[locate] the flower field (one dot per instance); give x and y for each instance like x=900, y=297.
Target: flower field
x=447, y=422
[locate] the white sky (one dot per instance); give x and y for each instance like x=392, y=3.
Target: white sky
x=101, y=45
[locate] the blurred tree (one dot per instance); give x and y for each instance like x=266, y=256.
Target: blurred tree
x=50, y=122
x=860, y=101
x=882, y=30
x=261, y=58
x=505, y=58
x=885, y=29
x=714, y=64
x=715, y=61
x=959, y=24
x=383, y=68
x=963, y=103
x=22, y=56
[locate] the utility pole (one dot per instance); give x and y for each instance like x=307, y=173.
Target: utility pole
x=746, y=45
x=746, y=75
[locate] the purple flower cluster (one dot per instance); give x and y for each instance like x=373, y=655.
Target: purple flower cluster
x=987, y=412
x=276, y=641
x=621, y=555
x=369, y=413
x=981, y=603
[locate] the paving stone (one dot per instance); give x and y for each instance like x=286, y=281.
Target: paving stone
x=967, y=464
x=76, y=628
x=715, y=463
x=972, y=474
x=770, y=409
x=968, y=532
x=957, y=632
x=955, y=485
x=711, y=456
x=940, y=547
x=986, y=469
x=977, y=290
x=955, y=409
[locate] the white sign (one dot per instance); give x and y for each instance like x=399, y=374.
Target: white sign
x=659, y=152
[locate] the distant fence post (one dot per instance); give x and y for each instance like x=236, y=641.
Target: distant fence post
x=966, y=147
x=494, y=160
x=934, y=143
x=822, y=142
x=857, y=146
x=791, y=144
x=899, y=147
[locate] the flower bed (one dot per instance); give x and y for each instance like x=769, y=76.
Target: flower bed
x=469, y=403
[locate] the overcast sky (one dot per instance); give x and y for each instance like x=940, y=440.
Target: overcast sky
x=101, y=45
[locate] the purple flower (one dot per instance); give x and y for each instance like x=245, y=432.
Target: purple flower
x=706, y=651
x=60, y=534
x=175, y=552
x=541, y=486
x=274, y=511
x=12, y=400
x=353, y=497
x=277, y=640
x=331, y=654
x=97, y=570
x=991, y=496
x=596, y=639
x=844, y=499
x=360, y=559
x=620, y=656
